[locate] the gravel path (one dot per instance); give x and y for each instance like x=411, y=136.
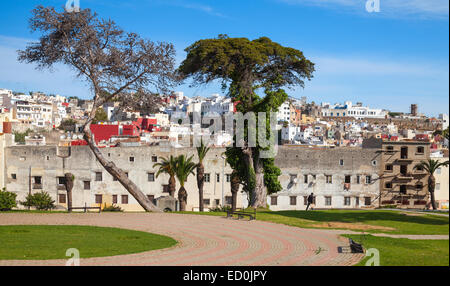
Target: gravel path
x=204, y=240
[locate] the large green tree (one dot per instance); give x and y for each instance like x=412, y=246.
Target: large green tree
x=254, y=72
x=430, y=166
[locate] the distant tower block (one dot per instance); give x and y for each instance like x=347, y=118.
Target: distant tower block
x=414, y=109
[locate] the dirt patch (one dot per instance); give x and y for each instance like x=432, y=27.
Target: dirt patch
x=413, y=214
x=348, y=225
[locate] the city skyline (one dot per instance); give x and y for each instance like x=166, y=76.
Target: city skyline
x=383, y=60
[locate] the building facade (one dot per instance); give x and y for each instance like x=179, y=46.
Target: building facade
x=338, y=178
x=402, y=184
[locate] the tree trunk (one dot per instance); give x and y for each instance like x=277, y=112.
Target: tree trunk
x=172, y=186
x=182, y=198
x=116, y=172
x=431, y=187
x=200, y=182
x=68, y=183
x=234, y=189
x=260, y=194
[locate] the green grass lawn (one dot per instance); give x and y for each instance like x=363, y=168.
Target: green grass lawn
x=402, y=224
x=30, y=242
x=405, y=252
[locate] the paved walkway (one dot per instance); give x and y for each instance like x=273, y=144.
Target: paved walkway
x=413, y=236
x=204, y=240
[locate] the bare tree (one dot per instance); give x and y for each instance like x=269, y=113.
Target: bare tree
x=118, y=66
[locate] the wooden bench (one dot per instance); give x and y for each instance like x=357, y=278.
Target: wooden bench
x=241, y=214
x=85, y=208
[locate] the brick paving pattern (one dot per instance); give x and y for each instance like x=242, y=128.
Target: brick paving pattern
x=203, y=241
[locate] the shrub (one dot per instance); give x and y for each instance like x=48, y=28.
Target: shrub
x=220, y=209
x=112, y=208
x=7, y=200
x=41, y=201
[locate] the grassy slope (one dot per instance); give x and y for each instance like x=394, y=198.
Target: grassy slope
x=51, y=242
x=403, y=224
x=406, y=252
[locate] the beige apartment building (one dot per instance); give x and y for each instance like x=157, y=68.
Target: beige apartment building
x=401, y=183
x=442, y=186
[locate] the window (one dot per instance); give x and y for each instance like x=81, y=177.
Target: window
x=166, y=189
x=229, y=200
x=438, y=186
x=420, y=150
x=329, y=179
x=114, y=199
x=217, y=202
x=328, y=201
x=419, y=186
x=206, y=202
x=305, y=200
x=404, y=153
x=348, y=179
x=389, y=167
x=131, y=159
x=367, y=201
x=61, y=180
x=98, y=199
x=62, y=198
x=404, y=170
x=218, y=178
x=207, y=178
x=293, y=201
x=368, y=179
x=305, y=179
x=151, y=177
x=154, y=159
x=403, y=189
x=124, y=199
x=388, y=185
x=341, y=162
x=151, y=198
x=228, y=178
x=374, y=162
x=273, y=201
x=390, y=149
x=358, y=179
x=346, y=201
x=438, y=171
x=87, y=185
x=38, y=180
x=14, y=176
x=98, y=176
x=293, y=178
x=357, y=201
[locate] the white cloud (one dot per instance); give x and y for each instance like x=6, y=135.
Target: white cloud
x=390, y=8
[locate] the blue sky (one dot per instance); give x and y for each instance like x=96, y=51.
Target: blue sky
x=386, y=60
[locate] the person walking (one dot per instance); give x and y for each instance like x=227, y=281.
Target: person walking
x=310, y=201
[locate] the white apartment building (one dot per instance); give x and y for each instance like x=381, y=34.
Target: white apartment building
x=349, y=110
x=444, y=119
x=284, y=112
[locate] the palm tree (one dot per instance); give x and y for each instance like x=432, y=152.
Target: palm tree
x=431, y=166
x=202, y=150
x=235, y=182
x=184, y=168
x=168, y=166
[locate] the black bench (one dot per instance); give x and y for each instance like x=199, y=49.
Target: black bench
x=241, y=214
x=86, y=208
x=355, y=247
